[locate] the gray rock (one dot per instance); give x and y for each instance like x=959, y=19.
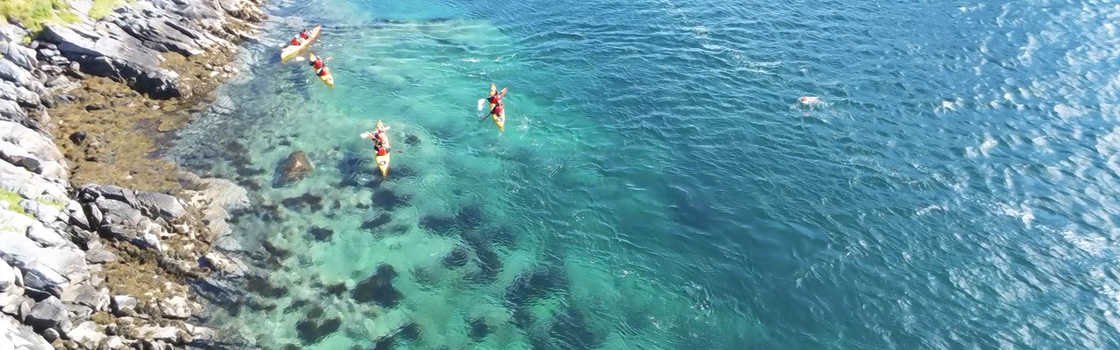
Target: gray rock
x=100, y=255
x=43, y=149
x=50, y=334
x=77, y=216
x=123, y=305
x=20, y=55
x=10, y=110
x=11, y=72
x=75, y=313
x=12, y=300
x=7, y=276
x=177, y=307
x=48, y=313
x=11, y=33
x=96, y=299
x=115, y=343
x=46, y=269
x=149, y=332
x=16, y=336
x=165, y=206
x=87, y=333
x=44, y=236
x=223, y=264
x=19, y=94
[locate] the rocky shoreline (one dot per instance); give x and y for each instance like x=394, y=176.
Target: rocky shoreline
x=102, y=245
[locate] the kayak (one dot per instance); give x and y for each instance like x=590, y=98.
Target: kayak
x=500, y=121
x=325, y=78
x=291, y=51
x=382, y=161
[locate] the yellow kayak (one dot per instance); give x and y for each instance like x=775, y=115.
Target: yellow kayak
x=500, y=121
x=325, y=78
x=382, y=161
x=291, y=51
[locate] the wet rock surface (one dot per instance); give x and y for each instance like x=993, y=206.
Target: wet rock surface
x=293, y=169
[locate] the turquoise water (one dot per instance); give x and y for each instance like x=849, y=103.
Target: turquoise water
x=659, y=187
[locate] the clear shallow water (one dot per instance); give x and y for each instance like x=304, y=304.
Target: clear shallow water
x=658, y=187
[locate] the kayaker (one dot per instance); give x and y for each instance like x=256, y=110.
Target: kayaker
x=294, y=42
x=497, y=98
x=305, y=35
x=499, y=109
x=318, y=63
x=323, y=71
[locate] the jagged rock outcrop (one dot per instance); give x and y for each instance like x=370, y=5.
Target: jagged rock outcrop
x=129, y=44
x=68, y=254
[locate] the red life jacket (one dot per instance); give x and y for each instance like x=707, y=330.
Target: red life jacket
x=323, y=72
x=495, y=99
x=318, y=63
x=304, y=35
x=382, y=151
x=498, y=109
x=295, y=42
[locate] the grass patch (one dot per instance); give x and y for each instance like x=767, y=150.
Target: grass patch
x=33, y=14
x=102, y=8
x=53, y=203
x=12, y=199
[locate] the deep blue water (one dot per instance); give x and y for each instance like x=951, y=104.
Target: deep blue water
x=658, y=186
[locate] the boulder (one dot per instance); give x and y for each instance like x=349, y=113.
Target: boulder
x=87, y=333
x=14, y=73
x=123, y=305
x=44, y=236
x=12, y=300
x=223, y=264
x=149, y=332
x=10, y=110
x=45, y=269
x=8, y=276
x=39, y=146
x=177, y=307
x=19, y=95
x=95, y=299
x=166, y=206
x=20, y=55
x=294, y=168
x=47, y=313
x=14, y=335
x=97, y=254
x=215, y=198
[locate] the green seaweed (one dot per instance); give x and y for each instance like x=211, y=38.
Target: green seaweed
x=12, y=199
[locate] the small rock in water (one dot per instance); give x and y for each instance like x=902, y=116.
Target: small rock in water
x=321, y=233
x=458, y=257
x=312, y=331
x=388, y=199
x=411, y=140
x=378, y=288
x=305, y=200
x=479, y=329
x=380, y=220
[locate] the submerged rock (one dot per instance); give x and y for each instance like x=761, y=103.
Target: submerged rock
x=380, y=220
x=378, y=288
x=321, y=233
x=312, y=331
x=293, y=169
